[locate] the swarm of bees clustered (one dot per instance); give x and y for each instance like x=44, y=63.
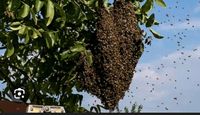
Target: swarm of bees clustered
x=116, y=51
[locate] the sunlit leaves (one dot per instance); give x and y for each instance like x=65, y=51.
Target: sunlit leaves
x=24, y=11
x=142, y=14
x=38, y=5
x=35, y=33
x=137, y=5
x=148, y=5
x=10, y=48
x=66, y=55
x=49, y=12
x=15, y=26
x=63, y=18
x=91, y=3
x=27, y=37
x=50, y=38
x=161, y=3
x=77, y=48
x=89, y=57
x=22, y=30
x=33, y=16
x=156, y=34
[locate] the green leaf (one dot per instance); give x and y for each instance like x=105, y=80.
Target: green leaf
x=62, y=13
x=15, y=23
x=82, y=16
x=161, y=3
x=38, y=5
x=49, y=12
x=10, y=49
x=33, y=16
x=89, y=57
x=136, y=4
x=155, y=34
x=105, y=4
x=65, y=54
x=50, y=39
x=143, y=18
x=156, y=22
x=15, y=26
x=24, y=11
x=27, y=38
x=78, y=48
x=56, y=39
x=148, y=5
x=36, y=33
x=23, y=30
x=150, y=20
x=91, y=3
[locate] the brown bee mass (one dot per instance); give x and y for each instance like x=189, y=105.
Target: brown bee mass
x=116, y=51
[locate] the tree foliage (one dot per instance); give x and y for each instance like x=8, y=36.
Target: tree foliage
x=134, y=109
x=43, y=40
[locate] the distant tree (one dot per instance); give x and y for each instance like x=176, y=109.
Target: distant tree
x=43, y=41
x=134, y=109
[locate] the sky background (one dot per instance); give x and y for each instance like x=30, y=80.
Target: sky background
x=168, y=76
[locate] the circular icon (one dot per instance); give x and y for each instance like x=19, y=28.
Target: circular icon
x=19, y=93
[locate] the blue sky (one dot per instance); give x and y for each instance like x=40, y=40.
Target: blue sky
x=167, y=77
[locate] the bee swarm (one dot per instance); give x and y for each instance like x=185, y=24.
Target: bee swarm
x=116, y=51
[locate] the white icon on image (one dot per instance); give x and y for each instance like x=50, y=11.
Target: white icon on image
x=19, y=93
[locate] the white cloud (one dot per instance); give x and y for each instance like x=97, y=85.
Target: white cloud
x=181, y=79
x=195, y=53
x=156, y=84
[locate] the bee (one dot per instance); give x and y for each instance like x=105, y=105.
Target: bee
x=115, y=54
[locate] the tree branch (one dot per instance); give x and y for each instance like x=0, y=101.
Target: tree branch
x=7, y=79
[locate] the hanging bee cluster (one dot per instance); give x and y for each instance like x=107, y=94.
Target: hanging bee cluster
x=116, y=51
